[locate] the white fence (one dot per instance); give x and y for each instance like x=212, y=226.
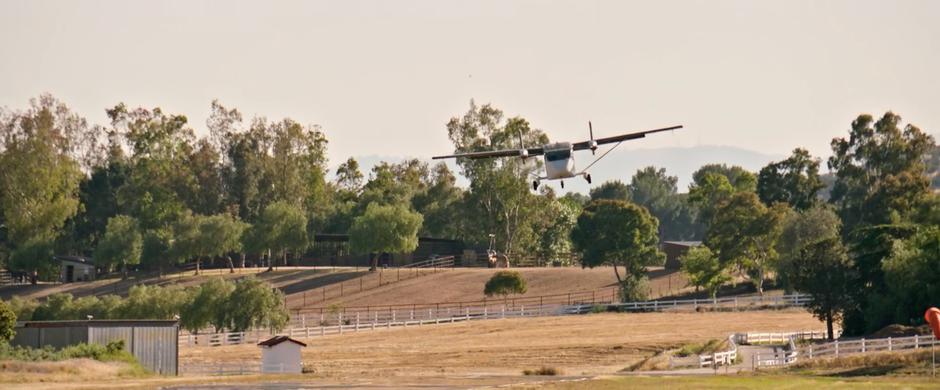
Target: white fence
x=755, y=338
x=222, y=369
x=339, y=323
x=844, y=347
x=720, y=358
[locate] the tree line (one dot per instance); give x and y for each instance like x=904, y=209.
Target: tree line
x=238, y=306
x=144, y=190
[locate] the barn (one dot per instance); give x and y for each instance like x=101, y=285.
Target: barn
x=153, y=342
x=75, y=269
x=675, y=250
x=281, y=354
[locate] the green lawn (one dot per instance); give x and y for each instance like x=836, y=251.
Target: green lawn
x=749, y=382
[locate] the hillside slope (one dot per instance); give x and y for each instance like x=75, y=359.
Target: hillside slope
x=466, y=284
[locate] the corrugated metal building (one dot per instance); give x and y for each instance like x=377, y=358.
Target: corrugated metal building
x=153, y=342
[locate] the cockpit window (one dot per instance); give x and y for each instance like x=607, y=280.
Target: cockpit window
x=558, y=155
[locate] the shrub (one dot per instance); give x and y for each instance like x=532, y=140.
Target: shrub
x=7, y=322
x=505, y=283
x=546, y=371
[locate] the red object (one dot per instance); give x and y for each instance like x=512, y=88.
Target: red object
x=933, y=318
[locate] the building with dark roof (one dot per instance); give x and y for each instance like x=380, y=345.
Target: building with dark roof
x=155, y=343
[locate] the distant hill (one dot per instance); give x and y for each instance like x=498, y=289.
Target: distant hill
x=621, y=164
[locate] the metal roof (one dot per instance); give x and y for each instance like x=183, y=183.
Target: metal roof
x=94, y=323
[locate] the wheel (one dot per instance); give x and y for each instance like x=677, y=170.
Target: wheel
x=562, y=184
x=535, y=185
x=588, y=178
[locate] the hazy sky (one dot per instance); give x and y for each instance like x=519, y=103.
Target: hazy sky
x=383, y=77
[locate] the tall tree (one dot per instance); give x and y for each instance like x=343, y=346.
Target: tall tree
x=121, y=245
x=658, y=192
x=221, y=236
x=912, y=276
x=745, y=232
x=385, y=228
x=619, y=234
x=824, y=271
x=440, y=204
x=39, y=181
x=739, y=178
x=794, y=181
x=802, y=228
x=613, y=190
x=879, y=171
x=499, y=192
x=281, y=228
x=708, y=195
x=160, y=175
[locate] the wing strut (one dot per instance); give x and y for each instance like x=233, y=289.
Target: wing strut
x=584, y=171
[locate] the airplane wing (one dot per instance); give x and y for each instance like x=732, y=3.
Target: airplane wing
x=493, y=154
x=619, y=138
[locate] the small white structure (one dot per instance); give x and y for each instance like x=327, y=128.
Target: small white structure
x=281, y=355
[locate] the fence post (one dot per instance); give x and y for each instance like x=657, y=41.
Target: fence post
x=357, y=321
x=523, y=310
x=889, y=344
x=863, y=345
x=837, y=348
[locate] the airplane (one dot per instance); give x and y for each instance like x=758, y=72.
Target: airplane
x=559, y=157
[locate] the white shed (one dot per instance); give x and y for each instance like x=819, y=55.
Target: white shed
x=281, y=354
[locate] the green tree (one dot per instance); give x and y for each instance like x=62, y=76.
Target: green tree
x=39, y=180
x=658, y=192
x=7, y=322
x=824, y=271
x=121, y=244
x=505, y=283
x=879, y=171
x=499, y=200
x=221, y=235
x=209, y=306
x=281, y=228
x=708, y=195
x=160, y=176
x=744, y=233
x=554, y=229
x=157, y=251
x=880, y=189
x=800, y=229
x=385, y=228
x=619, y=234
x=794, y=181
x=254, y=304
x=440, y=204
x=912, y=276
x=704, y=270
x=740, y=179
x=613, y=190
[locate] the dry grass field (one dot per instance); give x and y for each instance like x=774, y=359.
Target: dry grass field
x=466, y=284
x=577, y=345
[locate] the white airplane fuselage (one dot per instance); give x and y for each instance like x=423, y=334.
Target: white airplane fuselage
x=559, y=161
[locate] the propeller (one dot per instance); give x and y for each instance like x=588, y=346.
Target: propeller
x=592, y=142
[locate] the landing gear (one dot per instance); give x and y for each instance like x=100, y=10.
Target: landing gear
x=588, y=178
x=535, y=185
x=562, y=184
